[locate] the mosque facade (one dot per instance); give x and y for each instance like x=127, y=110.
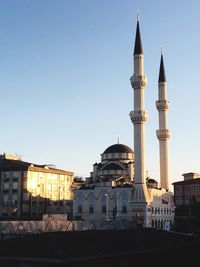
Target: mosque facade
x=118, y=188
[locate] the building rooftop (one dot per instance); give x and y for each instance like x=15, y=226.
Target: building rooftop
x=19, y=165
x=191, y=181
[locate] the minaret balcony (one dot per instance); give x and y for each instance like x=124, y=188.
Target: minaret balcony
x=138, y=81
x=162, y=105
x=138, y=116
x=163, y=134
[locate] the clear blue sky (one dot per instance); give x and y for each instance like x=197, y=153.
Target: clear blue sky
x=64, y=77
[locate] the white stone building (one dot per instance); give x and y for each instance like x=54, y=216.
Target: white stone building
x=119, y=188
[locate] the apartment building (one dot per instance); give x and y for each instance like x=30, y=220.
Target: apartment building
x=28, y=190
x=188, y=190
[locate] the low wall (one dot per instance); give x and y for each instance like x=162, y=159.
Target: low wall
x=8, y=228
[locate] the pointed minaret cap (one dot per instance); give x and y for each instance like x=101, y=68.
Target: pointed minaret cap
x=162, y=77
x=138, y=42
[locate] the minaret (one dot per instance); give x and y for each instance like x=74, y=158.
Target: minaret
x=138, y=118
x=163, y=133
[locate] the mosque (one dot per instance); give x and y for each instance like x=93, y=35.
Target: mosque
x=118, y=188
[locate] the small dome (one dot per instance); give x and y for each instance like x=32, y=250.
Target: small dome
x=118, y=148
x=150, y=180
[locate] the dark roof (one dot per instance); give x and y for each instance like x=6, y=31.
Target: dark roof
x=7, y=164
x=138, y=42
x=190, y=181
x=113, y=166
x=19, y=165
x=118, y=148
x=162, y=77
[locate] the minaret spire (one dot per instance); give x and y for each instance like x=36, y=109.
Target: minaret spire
x=138, y=117
x=162, y=77
x=138, y=42
x=163, y=133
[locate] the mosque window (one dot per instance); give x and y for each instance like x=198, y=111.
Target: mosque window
x=79, y=198
x=91, y=199
x=91, y=209
x=124, y=209
x=124, y=197
x=103, y=197
x=103, y=208
x=80, y=209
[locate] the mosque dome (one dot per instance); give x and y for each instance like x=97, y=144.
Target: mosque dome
x=152, y=183
x=118, y=148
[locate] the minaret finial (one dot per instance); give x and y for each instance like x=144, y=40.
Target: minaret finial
x=138, y=18
x=138, y=42
x=118, y=139
x=161, y=51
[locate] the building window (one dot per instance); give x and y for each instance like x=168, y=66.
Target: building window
x=14, y=199
x=6, y=186
x=14, y=212
x=5, y=199
x=15, y=185
x=5, y=211
x=26, y=196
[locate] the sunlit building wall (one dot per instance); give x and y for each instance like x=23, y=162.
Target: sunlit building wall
x=28, y=191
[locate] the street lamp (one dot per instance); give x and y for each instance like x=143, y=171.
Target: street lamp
x=106, y=195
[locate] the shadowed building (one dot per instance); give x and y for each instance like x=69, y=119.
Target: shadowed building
x=187, y=191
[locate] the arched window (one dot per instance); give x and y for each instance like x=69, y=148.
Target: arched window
x=91, y=199
x=103, y=208
x=91, y=203
x=80, y=209
x=103, y=196
x=124, y=209
x=124, y=197
x=91, y=209
x=79, y=198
